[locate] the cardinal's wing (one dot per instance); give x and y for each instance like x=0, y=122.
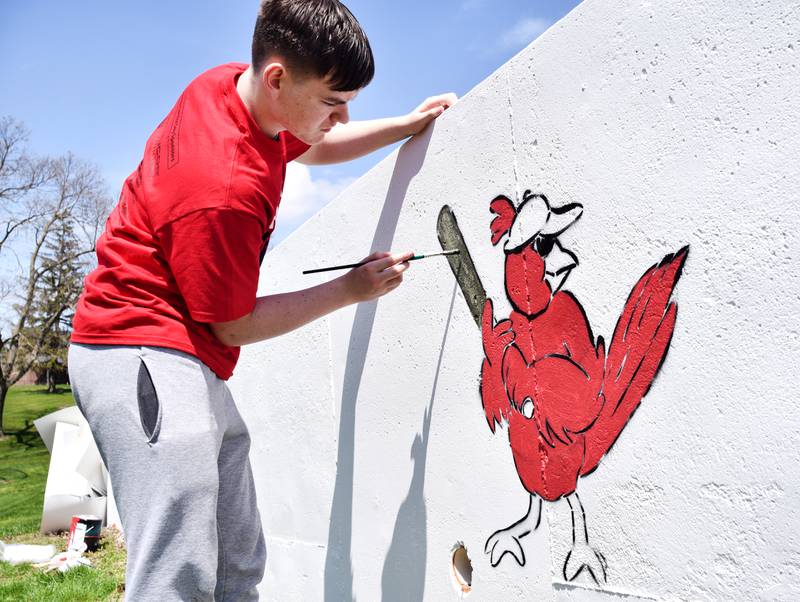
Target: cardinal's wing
x=636, y=352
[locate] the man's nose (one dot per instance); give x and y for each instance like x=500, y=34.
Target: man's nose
x=342, y=114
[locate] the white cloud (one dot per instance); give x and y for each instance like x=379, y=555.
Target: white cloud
x=523, y=33
x=303, y=196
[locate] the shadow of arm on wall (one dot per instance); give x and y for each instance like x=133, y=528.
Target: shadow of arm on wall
x=403, y=578
x=338, y=566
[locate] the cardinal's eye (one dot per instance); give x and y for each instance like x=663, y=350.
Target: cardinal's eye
x=544, y=245
x=527, y=408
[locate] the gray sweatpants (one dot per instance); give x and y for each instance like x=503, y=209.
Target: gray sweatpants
x=177, y=452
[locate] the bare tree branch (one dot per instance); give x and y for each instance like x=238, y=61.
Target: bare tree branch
x=20, y=175
x=62, y=204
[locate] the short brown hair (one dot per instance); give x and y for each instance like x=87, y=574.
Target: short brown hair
x=318, y=37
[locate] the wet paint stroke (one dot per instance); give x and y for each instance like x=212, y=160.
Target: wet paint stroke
x=545, y=376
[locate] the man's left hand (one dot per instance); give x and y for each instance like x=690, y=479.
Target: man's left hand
x=429, y=110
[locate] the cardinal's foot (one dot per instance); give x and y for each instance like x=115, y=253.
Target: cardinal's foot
x=584, y=557
x=506, y=541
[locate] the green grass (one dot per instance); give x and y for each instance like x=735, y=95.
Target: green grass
x=24, y=461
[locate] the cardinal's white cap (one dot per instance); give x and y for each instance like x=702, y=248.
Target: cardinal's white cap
x=535, y=217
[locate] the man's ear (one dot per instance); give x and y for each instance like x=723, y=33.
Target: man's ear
x=273, y=76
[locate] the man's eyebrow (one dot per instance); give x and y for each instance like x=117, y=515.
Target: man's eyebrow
x=337, y=101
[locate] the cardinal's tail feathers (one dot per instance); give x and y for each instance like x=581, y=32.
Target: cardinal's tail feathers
x=637, y=350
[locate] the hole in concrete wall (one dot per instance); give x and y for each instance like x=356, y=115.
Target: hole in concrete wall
x=461, y=569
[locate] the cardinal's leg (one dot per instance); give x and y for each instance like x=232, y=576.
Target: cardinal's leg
x=506, y=541
x=582, y=555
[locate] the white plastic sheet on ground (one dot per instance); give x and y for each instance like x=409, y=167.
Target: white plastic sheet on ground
x=77, y=481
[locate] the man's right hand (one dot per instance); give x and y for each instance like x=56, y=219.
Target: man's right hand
x=382, y=273
x=276, y=314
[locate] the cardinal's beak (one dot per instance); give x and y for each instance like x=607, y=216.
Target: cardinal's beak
x=557, y=265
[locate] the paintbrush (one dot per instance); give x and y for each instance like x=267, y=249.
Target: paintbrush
x=355, y=265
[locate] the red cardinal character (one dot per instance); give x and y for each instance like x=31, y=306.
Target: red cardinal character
x=545, y=376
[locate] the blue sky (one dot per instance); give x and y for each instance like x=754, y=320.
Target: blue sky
x=96, y=77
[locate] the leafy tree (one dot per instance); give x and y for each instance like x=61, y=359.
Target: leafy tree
x=60, y=286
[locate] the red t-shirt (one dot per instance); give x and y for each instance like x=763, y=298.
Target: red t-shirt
x=184, y=244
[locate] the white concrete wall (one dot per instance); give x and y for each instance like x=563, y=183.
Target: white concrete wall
x=673, y=123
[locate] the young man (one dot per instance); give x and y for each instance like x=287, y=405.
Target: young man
x=158, y=327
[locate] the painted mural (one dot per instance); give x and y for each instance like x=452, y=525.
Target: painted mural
x=564, y=400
